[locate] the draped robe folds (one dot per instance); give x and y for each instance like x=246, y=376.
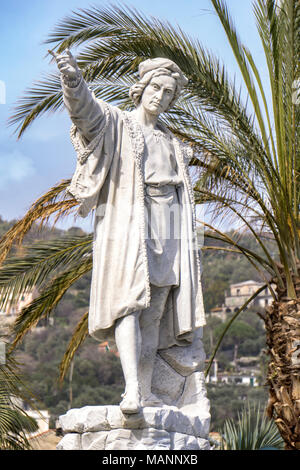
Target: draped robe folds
x=109, y=180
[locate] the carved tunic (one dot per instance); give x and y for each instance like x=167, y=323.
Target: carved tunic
x=162, y=209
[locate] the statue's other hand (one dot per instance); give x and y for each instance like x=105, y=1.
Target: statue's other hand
x=66, y=63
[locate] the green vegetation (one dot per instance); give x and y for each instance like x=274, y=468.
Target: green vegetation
x=242, y=339
x=15, y=423
x=222, y=268
x=97, y=377
x=253, y=431
x=228, y=400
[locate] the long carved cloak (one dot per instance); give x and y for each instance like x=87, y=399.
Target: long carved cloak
x=109, y=180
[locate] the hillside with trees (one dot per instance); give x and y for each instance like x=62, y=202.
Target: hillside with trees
x=222, y=268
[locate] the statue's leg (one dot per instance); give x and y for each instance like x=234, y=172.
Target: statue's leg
x=128, y=341
x=149, y=326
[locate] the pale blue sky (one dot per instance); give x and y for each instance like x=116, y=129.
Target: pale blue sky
x=44, y=155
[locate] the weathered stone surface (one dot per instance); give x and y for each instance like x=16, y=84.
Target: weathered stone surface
x=159, y=418
x=200, y=423
x=120, y=439
x=167, y=384
x=132, y=439
x=188, y=359
x=190, y=419
x=88, y=418
x=94, y=440
x=116, y=419
x=153, y=428
x=70, y=442
x=194, y=393
x=184, y=441
x=155, y=439
x=126, y=439
x=203, y=444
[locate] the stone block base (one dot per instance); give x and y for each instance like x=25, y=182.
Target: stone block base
x=154, y=428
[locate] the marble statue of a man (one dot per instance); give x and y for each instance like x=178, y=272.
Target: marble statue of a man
x=146, y=289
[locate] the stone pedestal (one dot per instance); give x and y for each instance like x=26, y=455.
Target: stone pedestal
x=181, y=424
x=106, y=428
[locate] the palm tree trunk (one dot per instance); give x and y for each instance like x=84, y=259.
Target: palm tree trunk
x=282, y=323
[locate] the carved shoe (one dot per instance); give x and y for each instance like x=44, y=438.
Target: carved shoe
x=131, y=402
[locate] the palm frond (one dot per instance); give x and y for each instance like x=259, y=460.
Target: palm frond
x=49, y=297
x=249, y=254
x=127, y=38
x=53, y=201
x=15, y=423
x=241, y=59
x=78, y=337
x=45, y=95
x=22, y=274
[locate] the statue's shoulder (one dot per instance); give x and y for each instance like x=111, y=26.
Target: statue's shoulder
x=113, y=110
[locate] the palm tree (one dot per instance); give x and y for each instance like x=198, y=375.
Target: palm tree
x=15, y=423
x=246, y=163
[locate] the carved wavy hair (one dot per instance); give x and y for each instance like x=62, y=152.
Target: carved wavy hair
x=138, y=88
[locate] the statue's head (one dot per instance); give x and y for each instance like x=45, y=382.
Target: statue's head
x=160, y=84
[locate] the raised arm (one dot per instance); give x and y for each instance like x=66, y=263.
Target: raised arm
x=84, y=110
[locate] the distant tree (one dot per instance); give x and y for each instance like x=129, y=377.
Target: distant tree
x=213, y=292
x=223, y=408
x=239, y=332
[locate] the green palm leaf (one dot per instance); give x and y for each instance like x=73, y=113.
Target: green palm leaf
x=54, y=201
x=15, y=423
x=49, y=297
x=18, y=275
x=78, y=337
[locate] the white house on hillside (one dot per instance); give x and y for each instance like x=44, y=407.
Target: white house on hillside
x=238, y=294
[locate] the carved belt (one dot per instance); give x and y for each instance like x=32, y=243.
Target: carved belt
x=163, y=190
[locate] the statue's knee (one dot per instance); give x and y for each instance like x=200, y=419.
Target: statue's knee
x=150, y=322
x=148, y=352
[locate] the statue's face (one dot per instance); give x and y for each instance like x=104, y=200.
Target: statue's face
x=158, y=94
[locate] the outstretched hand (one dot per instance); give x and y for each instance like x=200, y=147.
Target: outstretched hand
x=66, y=63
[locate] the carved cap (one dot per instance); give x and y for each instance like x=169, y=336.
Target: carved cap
x=162, y=63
